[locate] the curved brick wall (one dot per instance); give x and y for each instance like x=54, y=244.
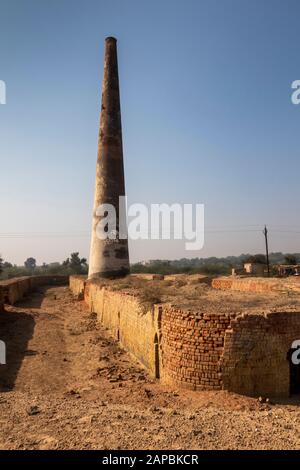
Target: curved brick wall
x=255, y=361
x=243, y=353
x=192, y=345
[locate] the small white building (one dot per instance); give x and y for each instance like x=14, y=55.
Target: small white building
x=255, y=268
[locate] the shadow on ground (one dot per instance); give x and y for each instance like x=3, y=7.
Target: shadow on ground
x=33, y=299
x=293, y=400
x=16, y=329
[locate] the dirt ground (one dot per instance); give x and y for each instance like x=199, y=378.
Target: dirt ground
x=68, y=385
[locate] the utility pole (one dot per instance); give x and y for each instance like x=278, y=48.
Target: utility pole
x=265, y=232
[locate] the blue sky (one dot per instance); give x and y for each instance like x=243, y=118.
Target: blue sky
x=206, y=110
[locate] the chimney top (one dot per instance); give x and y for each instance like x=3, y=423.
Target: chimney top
x=110, y=38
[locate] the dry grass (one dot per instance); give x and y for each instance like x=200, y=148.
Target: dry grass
x=194, y=293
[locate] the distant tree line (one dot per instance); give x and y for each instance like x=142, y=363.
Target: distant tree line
x=72, y=265
x=212, y=265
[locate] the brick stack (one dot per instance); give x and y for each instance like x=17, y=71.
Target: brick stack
x=254, y=284
x=222, y=283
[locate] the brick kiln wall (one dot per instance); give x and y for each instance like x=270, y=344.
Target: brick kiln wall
x=255, y=361
x=180, y=347
x=243, y=353
x=77, y=285
x=192, y=346
x=253, y=284
x=124, y=315
x=16, y=288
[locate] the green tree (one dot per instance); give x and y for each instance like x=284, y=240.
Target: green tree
x=290, y=259
x=30, y=264
x=7, y=265
x=256, y=259
x=76, y=264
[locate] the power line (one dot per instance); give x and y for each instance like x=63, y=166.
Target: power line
x=87, y=233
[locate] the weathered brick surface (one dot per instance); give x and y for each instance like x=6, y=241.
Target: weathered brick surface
x=15, y=289
x=109, y=257
x=129, y=323
x=192, y=345
x=243, y=353
x=77, y=285
x=254, y=361
x=256, y=284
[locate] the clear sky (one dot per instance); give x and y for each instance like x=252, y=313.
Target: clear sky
x=206, y=110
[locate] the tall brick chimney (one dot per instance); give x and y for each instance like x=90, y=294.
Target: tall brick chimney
x=109, y=257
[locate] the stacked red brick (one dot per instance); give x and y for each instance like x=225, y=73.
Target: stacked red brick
x=249, y=284
x=192, y=345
